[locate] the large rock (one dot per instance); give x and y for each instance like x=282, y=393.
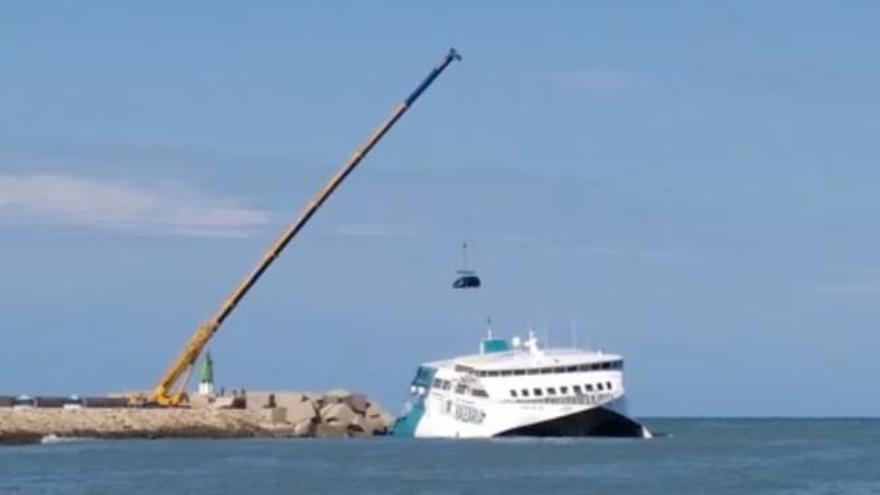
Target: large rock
x=304, y=429
x=388, y=420
x=337, y=414
x=301, y=411
x=199, y=401
x=259, y=400
x=287, y=399
x=376, y=420
x=335, y=396
x=331, y=431
x=275, y=415
x=359, y=427
x=228, y=402
x=357, y=402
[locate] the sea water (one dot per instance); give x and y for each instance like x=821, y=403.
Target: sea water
x=689, y=456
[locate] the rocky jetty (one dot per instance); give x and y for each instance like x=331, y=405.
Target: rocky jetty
x=254, y=414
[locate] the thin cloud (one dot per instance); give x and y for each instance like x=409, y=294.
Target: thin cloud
x=85, y=201
x=373, y=230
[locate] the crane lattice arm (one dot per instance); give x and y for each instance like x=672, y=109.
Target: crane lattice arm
x=165, y=394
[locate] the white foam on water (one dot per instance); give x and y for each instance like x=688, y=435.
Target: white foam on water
x=53, y=438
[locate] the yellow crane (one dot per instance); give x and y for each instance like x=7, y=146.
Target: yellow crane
x=171, y=391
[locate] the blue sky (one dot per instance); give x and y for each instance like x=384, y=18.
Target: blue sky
x=693, y=184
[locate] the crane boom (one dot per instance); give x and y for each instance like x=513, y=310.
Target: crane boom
x=164, y=393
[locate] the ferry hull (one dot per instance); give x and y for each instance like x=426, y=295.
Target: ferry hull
x=596, y=422
x=515, y=420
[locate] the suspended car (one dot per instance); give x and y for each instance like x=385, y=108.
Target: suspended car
x=467, y=279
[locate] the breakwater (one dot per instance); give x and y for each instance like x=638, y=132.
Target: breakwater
x=252, y=415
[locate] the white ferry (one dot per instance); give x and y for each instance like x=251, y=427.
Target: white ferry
x=515, y=388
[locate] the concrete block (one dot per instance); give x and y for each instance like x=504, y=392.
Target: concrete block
x=378, y=420
x=388, y=420
x=290, y=399
x=304, y=429
x=331, y=431
x=338, y=414
x=374, y=410
x=199, y=401
x=335, y=396
x=375, y=424
x=357, y=402
x=228, y=402
x=298, y=412
x=258, y=400
x=274, y=415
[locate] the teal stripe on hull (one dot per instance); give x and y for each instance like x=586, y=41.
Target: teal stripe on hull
x=406, y=426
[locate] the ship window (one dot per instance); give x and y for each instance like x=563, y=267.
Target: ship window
x=600, y=387
x=596, y=366
x=563, y=390
x=513, y=393
x=525, y=392
x=438, y=383
x=519, y=372
x=560, y=369
x=506, y=373
x=460, y=388
x=447, y=384
x=606, y=366
x=551, y=391
x=571, y=369
x=534, y=371
x=493, y=373
x=589, y=387
x=577, y=390
x=546, y=371
x=481, y=373
x=608, y=384
x=584, y=367
x=477, y=392
x=537, y=392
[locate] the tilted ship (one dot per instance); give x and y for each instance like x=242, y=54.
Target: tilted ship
x=516, y=388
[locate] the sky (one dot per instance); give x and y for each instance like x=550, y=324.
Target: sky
x=689, y=184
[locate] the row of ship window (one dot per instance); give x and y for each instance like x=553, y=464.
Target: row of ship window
x=563, y=390
x=463, y=389
x=460, y=388
x=607, y=365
